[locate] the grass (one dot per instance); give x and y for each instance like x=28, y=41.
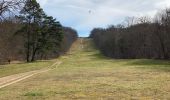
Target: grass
x=33, y=94
x=11, y=69
x=87, y=75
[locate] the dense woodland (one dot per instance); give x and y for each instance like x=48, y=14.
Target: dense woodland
x=142, y=37
x=28, y=34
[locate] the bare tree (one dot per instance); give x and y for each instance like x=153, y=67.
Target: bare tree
x=144, y=19
x=129, y=21
x=162, y=29
x=9, y=6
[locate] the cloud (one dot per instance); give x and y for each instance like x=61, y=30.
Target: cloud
x=163, y=3
x=84, y=15
x=42, y=2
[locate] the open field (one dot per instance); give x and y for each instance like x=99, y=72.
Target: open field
x=86, y=75
x=11, y=69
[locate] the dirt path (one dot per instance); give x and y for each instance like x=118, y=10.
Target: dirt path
x=9, y=80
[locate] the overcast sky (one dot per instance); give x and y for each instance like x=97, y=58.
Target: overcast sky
x=84, y=15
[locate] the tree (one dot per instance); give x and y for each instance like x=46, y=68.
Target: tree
x=51, y=36
x=31, y=16
x=133, y=41
x=70, y=35
x=9, y=6
x=41, y=32
x=162, y=32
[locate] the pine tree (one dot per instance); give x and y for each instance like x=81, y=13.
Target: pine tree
x=52, y=36
x=41, y=33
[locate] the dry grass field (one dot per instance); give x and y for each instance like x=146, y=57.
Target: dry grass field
x=86, y=75
x=6, y=70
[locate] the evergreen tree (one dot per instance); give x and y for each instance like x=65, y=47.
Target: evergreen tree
x=41, y=33
x=51, y=37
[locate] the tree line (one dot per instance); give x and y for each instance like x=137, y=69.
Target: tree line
x=31, y=34
x=138, y=38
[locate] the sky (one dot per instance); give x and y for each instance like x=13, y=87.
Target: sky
x=84, y=15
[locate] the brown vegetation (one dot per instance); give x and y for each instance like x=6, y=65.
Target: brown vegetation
x=140, y=38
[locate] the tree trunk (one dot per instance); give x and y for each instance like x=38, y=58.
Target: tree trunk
x=33, y=54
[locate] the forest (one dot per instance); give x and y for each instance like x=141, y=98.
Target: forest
x=27, y=33
x=136, y=38
x=43, y=58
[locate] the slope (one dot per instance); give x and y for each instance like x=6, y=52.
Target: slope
x=86, y=75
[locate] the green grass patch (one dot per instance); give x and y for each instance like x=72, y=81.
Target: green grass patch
x=33, y=94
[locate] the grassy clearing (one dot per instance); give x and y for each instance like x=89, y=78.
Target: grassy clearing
x=11, y=69
x=87, y=75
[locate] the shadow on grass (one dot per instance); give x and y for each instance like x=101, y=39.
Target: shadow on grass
x=146, y=62
x=98, y=56
x=163, y=65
